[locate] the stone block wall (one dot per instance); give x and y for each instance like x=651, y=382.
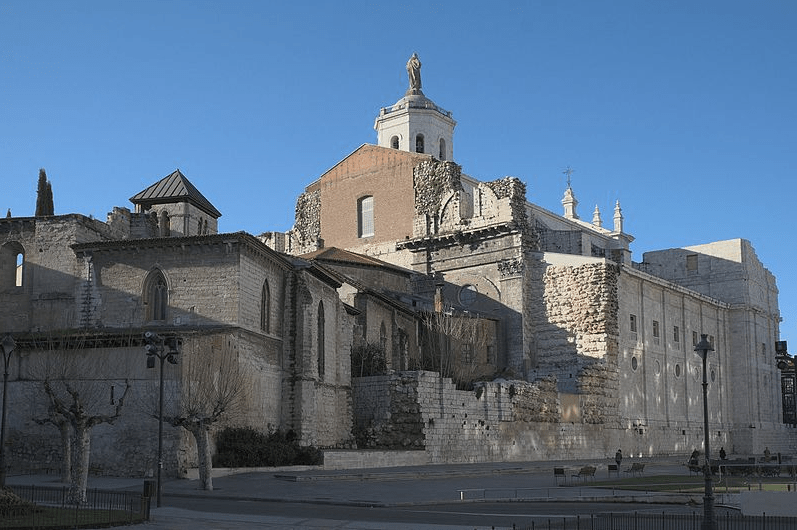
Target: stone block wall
x=576, y=331
x=420, y=410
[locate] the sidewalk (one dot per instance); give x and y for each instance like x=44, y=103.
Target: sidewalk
x=431, y=484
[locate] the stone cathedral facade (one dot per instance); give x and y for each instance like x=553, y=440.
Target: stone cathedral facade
x=584, y=350
x=615, y=336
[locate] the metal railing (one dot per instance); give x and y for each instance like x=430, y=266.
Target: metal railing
x=53, y=509
x=662, y=521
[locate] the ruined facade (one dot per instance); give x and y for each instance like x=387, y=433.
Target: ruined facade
x=578, y=349
x=616, y=337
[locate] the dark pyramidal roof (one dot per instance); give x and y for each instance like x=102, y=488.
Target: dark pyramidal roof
x=173, y=188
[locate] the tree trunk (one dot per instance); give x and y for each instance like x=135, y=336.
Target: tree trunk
x=205, y=458
x=66, y=445
x=80, y=478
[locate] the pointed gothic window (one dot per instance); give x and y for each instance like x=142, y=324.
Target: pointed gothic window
x=419, y=143
x=442, y=149
x=156, y=296
x=365, y=217
x=321, y=360
x=394, y=142
x=265, y=308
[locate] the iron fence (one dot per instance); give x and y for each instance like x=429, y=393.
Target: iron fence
x=52, y=508
x=662, y=521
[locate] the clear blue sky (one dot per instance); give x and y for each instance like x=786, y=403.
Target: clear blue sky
x=684, y=111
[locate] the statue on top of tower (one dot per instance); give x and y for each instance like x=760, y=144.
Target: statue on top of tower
x=414, y=72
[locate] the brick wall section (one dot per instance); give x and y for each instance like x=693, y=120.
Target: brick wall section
x=383, y=173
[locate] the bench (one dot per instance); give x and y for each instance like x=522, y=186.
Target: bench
x=585, y=473
x=559, y=473
x=636, y=468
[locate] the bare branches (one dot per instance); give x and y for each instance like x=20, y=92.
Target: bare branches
x=457, y=344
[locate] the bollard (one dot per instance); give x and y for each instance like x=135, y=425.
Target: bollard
x=146, y=497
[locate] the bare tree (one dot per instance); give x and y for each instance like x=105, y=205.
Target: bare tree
x=77, y=400
x=214, y=387
x=65, y=430
x=453, y=343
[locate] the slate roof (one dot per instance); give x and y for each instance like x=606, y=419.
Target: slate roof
x=172, y=188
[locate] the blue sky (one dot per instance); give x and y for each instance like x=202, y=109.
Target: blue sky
x=684, y=111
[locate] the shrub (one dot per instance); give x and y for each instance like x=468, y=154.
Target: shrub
x=247, y=447
x=368, y=359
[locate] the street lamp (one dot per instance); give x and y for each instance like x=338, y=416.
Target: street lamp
x=709, y=523
x=788, y=382
x=7, y=346
x=164, y=350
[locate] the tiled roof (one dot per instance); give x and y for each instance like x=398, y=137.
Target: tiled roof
x=174, y=187
x=334, y=254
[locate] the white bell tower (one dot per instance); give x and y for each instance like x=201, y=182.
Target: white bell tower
x=415, y=123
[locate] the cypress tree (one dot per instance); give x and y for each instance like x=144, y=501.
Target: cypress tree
x=49, y=205
x=41, y=194
x=44, y=196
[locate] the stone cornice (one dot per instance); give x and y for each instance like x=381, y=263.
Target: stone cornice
x=463, y=237
x=247, y=242
x=624, y=268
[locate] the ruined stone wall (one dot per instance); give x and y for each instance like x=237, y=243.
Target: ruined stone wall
x=305, y=236
x=415, y=410
x=50, y=276
x=576, y=332
x=434, y=181
x=510, y=421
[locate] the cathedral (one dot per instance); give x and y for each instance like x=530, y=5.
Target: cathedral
x=506, y=331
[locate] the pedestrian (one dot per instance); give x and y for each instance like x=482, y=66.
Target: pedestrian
x=618, y=457
x=723, y=455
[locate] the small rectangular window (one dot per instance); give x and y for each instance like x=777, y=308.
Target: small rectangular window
x=656, y=328
x=694, y=338
x=632, y=322
x=365, y=216
x=691, y=262
x=676, y=334
x=467, y=353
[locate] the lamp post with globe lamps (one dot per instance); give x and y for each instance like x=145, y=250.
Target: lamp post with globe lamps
x=709, y=523
x=164, y=349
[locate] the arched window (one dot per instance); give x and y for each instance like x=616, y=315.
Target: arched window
x=164, y=224
x=394, y=142
x=419, y=143
x=321, y=340
x=383, y=337
x=265, y=308
x=156, y=296
x=365, y=216
x=442, y=149
x=12, y=265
